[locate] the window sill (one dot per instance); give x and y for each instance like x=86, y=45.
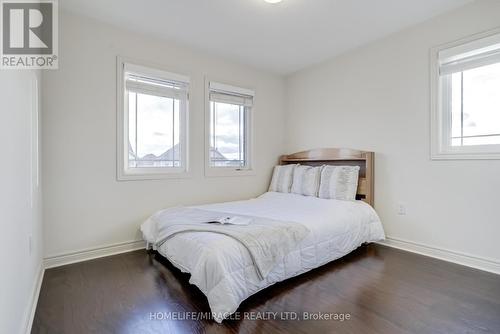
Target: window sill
x=465, y=155
x=124, y=176
x=228, y=172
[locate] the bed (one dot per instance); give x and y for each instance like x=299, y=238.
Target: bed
x=222, y=268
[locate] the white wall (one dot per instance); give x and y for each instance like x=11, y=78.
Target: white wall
x=377, y=98
x=84, y=205
x=20, y=212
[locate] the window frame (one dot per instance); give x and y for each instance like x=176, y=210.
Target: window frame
x=124, y=173
x=222, y=171
x=440, y=118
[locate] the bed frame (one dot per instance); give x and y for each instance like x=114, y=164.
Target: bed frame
x=340, y=157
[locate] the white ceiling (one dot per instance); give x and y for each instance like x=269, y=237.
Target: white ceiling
x=281, y=38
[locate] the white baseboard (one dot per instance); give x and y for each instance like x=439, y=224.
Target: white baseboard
x=30, y=312
x=468, y=260
x=92, y=253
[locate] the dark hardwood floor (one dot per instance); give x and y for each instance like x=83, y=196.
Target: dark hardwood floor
x=383, y=290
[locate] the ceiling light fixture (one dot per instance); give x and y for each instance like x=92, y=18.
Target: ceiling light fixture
x=273, y=1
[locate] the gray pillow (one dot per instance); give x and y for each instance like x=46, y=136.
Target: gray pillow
x=306, y=180
x=282, y=178
x=339, y=182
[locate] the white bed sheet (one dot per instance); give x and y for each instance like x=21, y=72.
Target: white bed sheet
x=222, y=268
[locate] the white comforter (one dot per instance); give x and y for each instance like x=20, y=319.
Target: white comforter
x=222, y=268
x=267, y=241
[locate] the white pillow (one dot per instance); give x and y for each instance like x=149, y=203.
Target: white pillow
x=339, y=182
x=306, y=180
x=282, y=178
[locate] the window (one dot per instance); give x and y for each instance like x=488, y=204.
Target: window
x=153, y=120
x=229, y=119
x=466, y=108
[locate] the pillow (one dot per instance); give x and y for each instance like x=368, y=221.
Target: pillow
x=306, y=180
x=339, y=182
x=282, y=178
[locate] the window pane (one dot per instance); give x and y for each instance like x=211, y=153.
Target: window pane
x=227, y=135
x=176, y=138
x=153, y=131
x=486, y=140
x=132, y=144
x=476, y=114
x=482, y=101
x=456, y=107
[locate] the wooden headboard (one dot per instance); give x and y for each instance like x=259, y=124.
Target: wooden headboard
x=340, y=157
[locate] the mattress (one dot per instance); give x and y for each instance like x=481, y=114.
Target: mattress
x=222, y=268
